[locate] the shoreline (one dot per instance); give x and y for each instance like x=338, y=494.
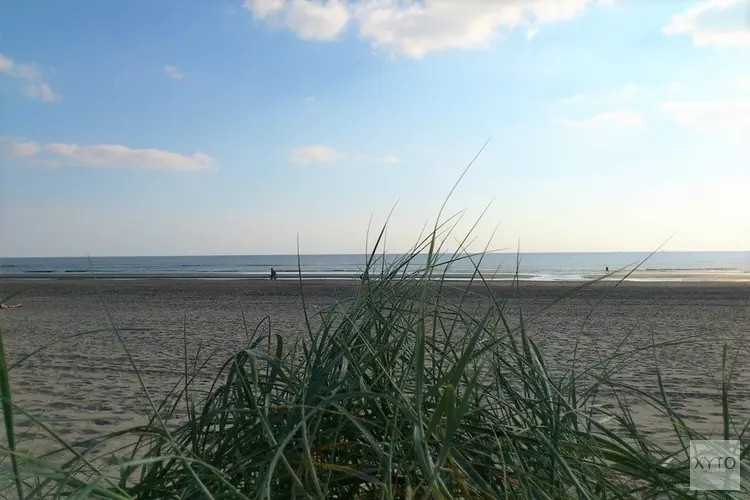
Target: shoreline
x=644, y=277
x=27, y=291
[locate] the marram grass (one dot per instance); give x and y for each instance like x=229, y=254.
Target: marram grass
x=400, y=393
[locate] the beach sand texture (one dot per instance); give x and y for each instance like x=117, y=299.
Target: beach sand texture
x=85, y=386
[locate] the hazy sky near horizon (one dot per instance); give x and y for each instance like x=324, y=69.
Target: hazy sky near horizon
x=177, y=128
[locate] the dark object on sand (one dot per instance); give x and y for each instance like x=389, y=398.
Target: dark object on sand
x=606, y=269
x=273, y=274
x=11, y=306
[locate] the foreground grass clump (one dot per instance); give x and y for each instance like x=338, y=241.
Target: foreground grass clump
x=400, y=393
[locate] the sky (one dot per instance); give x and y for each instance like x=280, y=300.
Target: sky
x=277, y=126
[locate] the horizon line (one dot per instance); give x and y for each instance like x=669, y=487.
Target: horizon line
x=365, y=254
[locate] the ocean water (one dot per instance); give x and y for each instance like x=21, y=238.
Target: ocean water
x=527, y=266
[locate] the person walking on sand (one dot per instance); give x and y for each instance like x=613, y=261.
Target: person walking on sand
x=607, y=269
x=273, y=273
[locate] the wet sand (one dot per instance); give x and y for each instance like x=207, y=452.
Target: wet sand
x=85, y=385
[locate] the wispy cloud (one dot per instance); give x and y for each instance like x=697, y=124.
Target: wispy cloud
x=18, y=148
x=717, y=23
x=619, y=117
x=675, y=86
x=34, y=85
x=390, y=160
x=573, y=99
x=173, y=72
x=115, y=155
x=620, y=93
x=104, y=156
x=727, y=116
x=628, y=90
x=414, y=29
x=315, y=153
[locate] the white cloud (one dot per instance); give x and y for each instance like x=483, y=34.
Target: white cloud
x=263, y=8
x=315, y=21
x=717, y=23
x=115, y=155
x=6, y=64
x=390, y=159
x=619, y=117
x=173, y=72
x=730, y=116
x=310, y=20
x=414, y=28
x=104, y=156
x=34, y=85
x=18, y=148
x=315, y=153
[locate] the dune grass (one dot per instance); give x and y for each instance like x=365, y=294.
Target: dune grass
x=400, y=392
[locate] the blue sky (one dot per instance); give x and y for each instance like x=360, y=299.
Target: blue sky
x=162, y=128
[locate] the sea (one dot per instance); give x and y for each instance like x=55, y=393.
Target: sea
x=645, y=266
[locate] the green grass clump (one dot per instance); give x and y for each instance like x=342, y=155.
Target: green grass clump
x=402, y=391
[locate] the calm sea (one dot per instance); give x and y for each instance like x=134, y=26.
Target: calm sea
x=531, y=266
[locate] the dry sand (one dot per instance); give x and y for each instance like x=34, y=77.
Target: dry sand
x=85, y=385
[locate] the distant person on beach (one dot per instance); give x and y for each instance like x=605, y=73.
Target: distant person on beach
x=607, y=269
x=273, y=273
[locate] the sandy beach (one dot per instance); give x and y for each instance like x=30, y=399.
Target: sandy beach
x=85, y=385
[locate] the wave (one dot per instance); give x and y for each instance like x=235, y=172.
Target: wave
x=558, y=277
x=290, y=276
x=690, y=269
